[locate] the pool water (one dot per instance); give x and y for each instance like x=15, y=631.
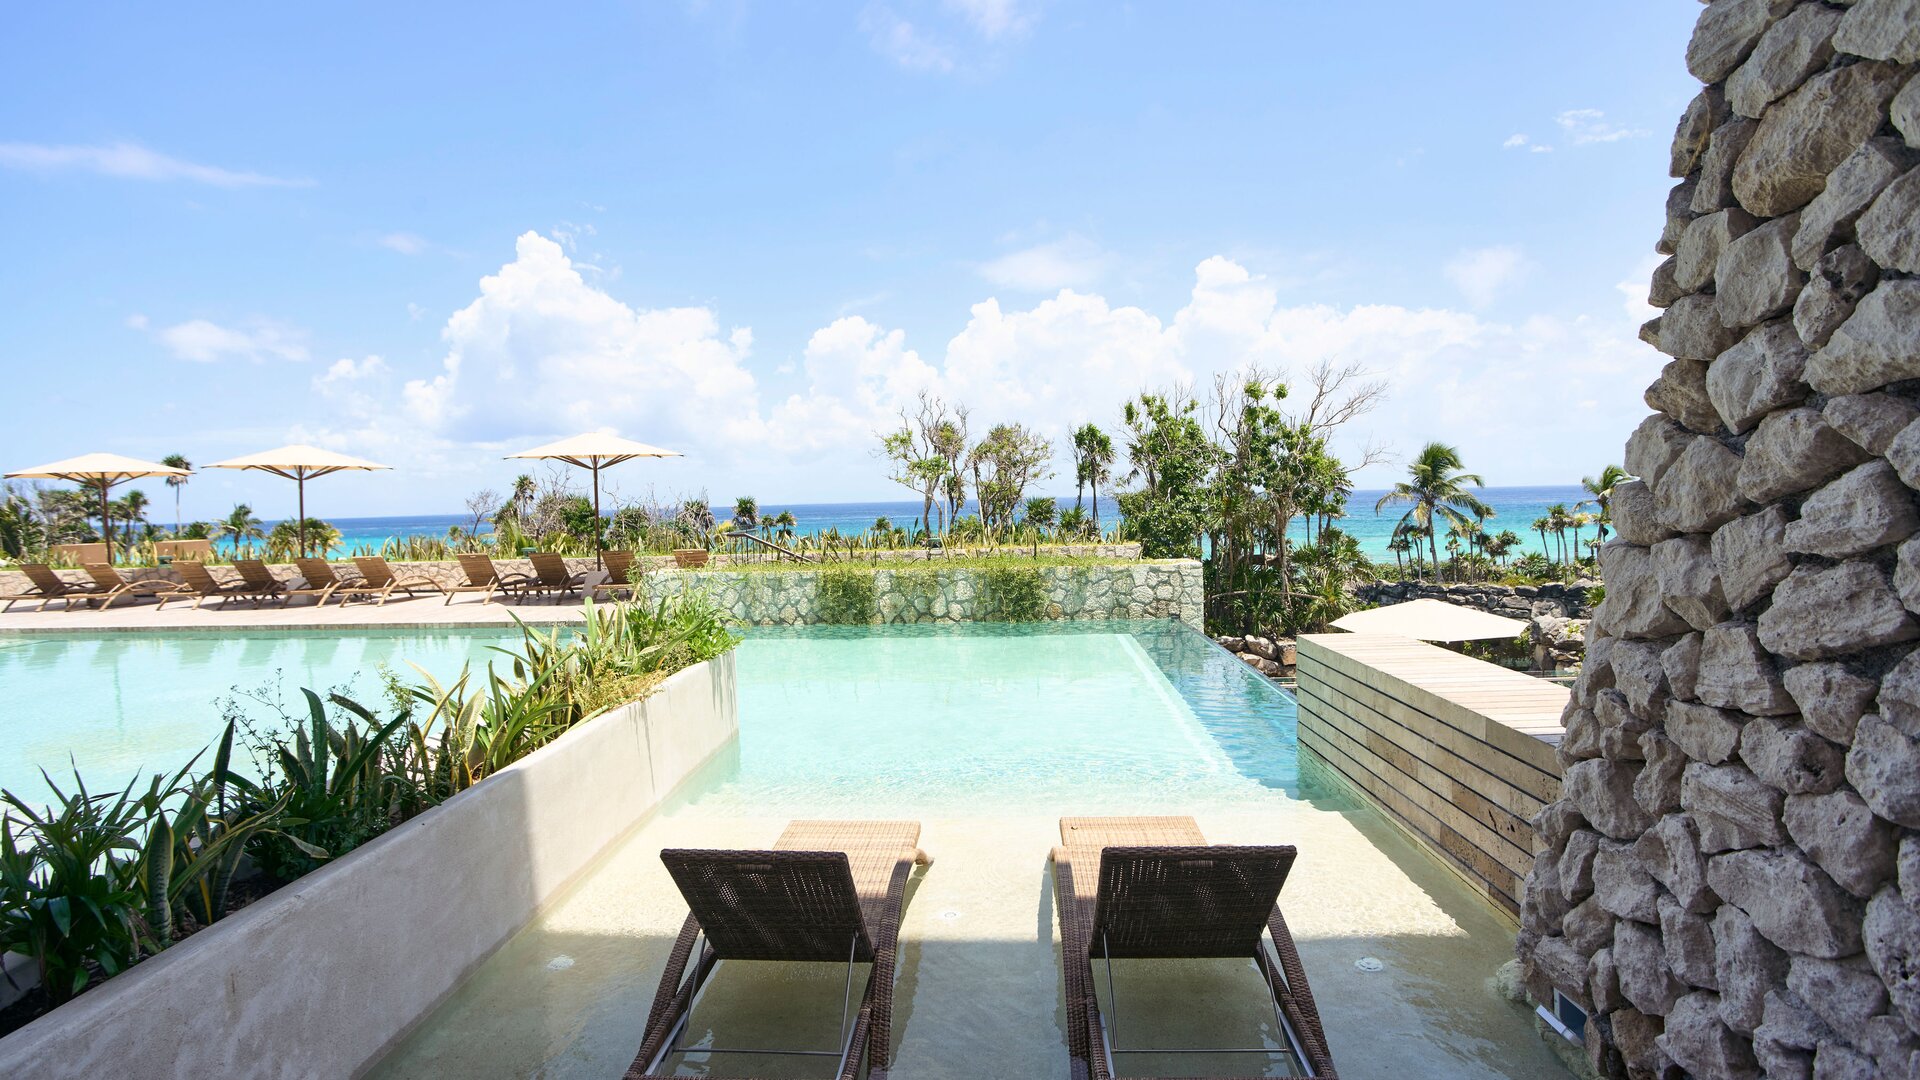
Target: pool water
x=987, y=735
x=118, y=706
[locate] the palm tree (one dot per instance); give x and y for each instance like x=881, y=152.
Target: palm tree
x=783, y=521
x=131, y=508
x=178, y=461
x=1600, y=494
x=1093, y=457
x=1437, y=492
x=1541, y=525
x=1500, y=546
x=241, y=525
x=1559, y=519
x=746, y=512
x=523, y=491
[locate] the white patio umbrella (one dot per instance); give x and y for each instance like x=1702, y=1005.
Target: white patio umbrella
x=595, y=451
x=1431, y=620
x=102, y=471
x=299, y=463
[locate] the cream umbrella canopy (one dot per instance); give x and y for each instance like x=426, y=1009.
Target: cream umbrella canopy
x=595, y=451
x=102, y=471
x=1431, y=620
x=300, y=464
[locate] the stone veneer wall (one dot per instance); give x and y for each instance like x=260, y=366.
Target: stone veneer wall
x=1730, y=880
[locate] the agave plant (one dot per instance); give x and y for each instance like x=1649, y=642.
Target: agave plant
x=334, y=787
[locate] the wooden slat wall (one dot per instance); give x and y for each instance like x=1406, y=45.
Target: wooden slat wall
x=1457, y=751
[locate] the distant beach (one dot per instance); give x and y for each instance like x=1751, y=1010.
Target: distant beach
x=1515, y=508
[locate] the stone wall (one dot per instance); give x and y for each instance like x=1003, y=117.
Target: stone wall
x=1730, y=880
x=1158, y=589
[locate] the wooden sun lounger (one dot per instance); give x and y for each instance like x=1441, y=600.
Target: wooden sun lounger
x=1151, y=887
x=113, y=587
x=199, y=583
x=319, y=576
x=551, y=577
x=49, y=586
x=255, y=575
x=484, y=577
x=378, y=575
x=829, y=891
x=620, y=575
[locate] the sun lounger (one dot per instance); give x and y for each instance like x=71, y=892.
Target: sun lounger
x=551, y=577
x=484, y=577
x=1152, y=888
x=199, y=583
x=620, y=575
x=378, y=575
x=829, y=891
x=255, y=575
x=47, y=586
x=112, y=587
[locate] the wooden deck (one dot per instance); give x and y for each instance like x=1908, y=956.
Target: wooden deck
x=1457, y=751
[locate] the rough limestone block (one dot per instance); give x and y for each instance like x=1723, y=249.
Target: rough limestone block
x=1703, y=732
x=1704, y=488
x=1688, y=940
x=1575, y=868
x=1791, y=901
x=1906, y=575
x=1845, y=994
x=1808, y=133
x=1905, y=112
x=1712, y=188
x=1747, y=966
x=1603, y=982
x=1788, y=1020
x=1890, y=229
x=1633, y=607
x=1832, y=699
x=1637, y=1036
x=1871, y=421
x=1635, y=520
x=1732, y=809
x=1663, y=288
x=1658, y=786
x=1736, y=673
x=1790, y=51
x=1820, y=613
x=1691, y=329
x=1755, y=276
x=1707, y=111
x=1839, y=280
x=1603, y=793
x=1588, y=927
x=1860, y=179
x=1791, y=451
x=1681, y=392
x=1875, y=29
x=1698, y=254
x=1764, y=371
x=1689, y=580
x=1622, y=886
x=1559, y=965
x=1884, y=767
x=1543, y=905
x=1878, y=344
x=1639, y=678
x=1679, y=215
x=1866, y=508
x=1645, y=980
x=1790, y=758
x=1751, y=555
x=1892, y=933
x=1840, y=833
x=1727, y=32
x=1697, y=1040
x=1681, y=662
x=1654, y=446
x=1670, y=852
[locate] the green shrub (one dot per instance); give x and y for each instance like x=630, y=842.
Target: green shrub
x=844, y=596
x=1012, y=593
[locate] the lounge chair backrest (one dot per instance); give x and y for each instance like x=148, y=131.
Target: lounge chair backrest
x=255, y=574
x=479, y=568
x=619, y=564
x=196, y=575
x=44, y=578
x=105, y=576
x=551, y=569
x=374, y=569
x=773, y=905
x=1186, y=901
x=317, y=573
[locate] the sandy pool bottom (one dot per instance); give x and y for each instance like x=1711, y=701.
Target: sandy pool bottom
x=979, y=992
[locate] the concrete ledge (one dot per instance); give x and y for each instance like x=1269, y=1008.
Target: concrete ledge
x=322, y=977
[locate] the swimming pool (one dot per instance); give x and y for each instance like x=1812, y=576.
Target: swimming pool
x=987, y=735
x=120, y=705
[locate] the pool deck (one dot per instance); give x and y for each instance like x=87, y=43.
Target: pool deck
x=422, y=612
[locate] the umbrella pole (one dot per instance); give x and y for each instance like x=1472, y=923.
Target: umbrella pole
x=596, y=514
x=106, y=519
x=301, y=483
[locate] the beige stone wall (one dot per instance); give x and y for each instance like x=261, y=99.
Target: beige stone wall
x=1730, y=880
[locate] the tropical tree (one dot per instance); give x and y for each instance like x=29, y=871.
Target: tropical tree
x=131, y=509
x=1040, y=512
x=1436, y=491
x=240, y=526
x=1172, y=459
x=783, y=524
x=925, y=452
x=1003, y=465
x=1541, y=525
x=1502, y=545
x=178, y=461
x=746, y=512
x=1559, y=520
x=524, y=491
x=1092, y=464
x=1600, y=494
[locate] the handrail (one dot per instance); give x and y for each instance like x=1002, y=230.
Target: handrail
x=788, y=552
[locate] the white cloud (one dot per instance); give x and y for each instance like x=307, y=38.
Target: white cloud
x=995, y=18
x=405, y=243
x=1481, y=274
x=130, y=161
x=347, y=369
x=1059, y=264
x=1586, y=126
x=1514, y=141
x=137, y=321
x=204, y=342
x=1540, y=148
x=1635, y=288
x=901, y=42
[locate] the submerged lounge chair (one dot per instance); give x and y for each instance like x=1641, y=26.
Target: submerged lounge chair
x=829, y=891
x=1152, y=888
x=484, y=577
x=551, y=577
x=620, y=575
x=111, y=586
x=379, y=575
x=199, y=583
x=48, y=587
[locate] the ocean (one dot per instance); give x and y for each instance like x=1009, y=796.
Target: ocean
x=1514, y=508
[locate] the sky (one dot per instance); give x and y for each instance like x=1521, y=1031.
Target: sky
x=432, y=234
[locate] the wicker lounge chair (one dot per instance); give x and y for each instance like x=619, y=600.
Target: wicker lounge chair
x=255, y=575
x=199, y=583
x=377, y=574
x=48, y=587
x=484, y=577
x=829, y=891
x=551, y=577
x=112, y=587
x=1152, y=888
x=620, y=575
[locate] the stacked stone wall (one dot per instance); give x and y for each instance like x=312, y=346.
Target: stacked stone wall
x=1730, y=879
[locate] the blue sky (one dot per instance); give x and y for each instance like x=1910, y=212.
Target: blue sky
x=433, y=234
